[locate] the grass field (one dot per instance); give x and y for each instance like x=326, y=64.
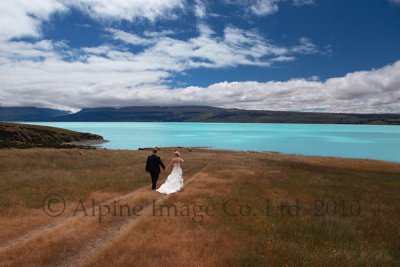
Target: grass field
x=237, y=209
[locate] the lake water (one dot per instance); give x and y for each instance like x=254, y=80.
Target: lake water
x=354, y=141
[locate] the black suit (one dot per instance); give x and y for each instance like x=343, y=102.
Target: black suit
x=153, y=167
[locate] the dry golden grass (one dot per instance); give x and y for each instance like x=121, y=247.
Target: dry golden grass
x=193, y=237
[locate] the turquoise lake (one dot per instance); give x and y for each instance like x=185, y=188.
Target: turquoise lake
x=353, y=141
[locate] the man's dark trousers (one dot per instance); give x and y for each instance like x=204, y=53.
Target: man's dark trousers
x=153, y=167
x=154, y=178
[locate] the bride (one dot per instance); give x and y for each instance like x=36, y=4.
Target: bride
x=174, y=182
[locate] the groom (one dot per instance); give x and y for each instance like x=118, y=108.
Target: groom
x=153, y=167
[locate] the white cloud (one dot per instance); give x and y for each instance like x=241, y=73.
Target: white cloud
x=23, y=18
x=283, y=59
x=158, y=33
x=306, y=46
x=364, y=92
x=200, y=9
x=51, y=74
x=235, y=47
x=257, y=7
x=129, y=38
x=47, y=73
x=105, y=76
x=264, y=7
x=128, y=9
x=14, y=51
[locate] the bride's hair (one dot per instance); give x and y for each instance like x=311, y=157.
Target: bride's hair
x=176, y=153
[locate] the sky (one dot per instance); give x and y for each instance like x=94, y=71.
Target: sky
x=297, y=55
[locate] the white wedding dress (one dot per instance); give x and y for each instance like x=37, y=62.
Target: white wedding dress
x=174, y=182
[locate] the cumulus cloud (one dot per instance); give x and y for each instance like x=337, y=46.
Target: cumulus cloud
x=283, y=59
x=109, y=77
x=306, y=46
x=129, y=38
x=23, y=18
x=257, y=7
x=45, y=67
x=200, y=9
x=264, y=7
x=363, y=91
x=47, y=73
x=51, y=74
x=235, y=47
x=127, y=9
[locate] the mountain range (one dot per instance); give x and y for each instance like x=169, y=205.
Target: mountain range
x=29, y=114
x=190, y=114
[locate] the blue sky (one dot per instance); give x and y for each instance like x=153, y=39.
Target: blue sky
x=307, y=55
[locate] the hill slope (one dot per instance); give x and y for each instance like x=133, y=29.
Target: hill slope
x=25, y=135
x=213, y=114
x=29, y=113
x=192, y=114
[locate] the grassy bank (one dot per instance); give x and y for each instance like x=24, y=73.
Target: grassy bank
x=16, y=135
x=237, y=209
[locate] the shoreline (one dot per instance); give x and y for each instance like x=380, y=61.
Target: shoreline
x=205, y=148
x=93, y=143
x=96, y=145
x=205, y=122
x=281, y=154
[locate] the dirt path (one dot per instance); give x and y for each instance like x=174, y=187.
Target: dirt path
x=106, y=235
x=62, y=221
x=102, y=241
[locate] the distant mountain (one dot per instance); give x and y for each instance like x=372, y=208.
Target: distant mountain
x=29, y=114
x=213, y=114
x=146, y=113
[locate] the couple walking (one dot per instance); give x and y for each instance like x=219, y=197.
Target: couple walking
x=174, y=182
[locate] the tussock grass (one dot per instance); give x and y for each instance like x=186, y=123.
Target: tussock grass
x=335, y=239
x=361, y=231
